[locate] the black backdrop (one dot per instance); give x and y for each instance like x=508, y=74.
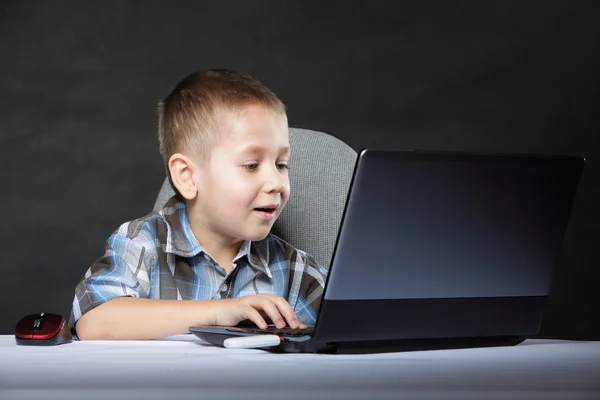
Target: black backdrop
x=79, y=83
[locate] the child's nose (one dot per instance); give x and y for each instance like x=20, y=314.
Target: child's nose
x=276, y=182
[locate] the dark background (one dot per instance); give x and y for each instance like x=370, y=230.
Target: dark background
x=79, y=84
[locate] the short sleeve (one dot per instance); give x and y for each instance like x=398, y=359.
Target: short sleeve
x=123, y=270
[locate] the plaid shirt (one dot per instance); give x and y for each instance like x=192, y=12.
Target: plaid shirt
x=158, y=257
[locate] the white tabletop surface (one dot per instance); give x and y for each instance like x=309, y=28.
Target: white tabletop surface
x=185, y=367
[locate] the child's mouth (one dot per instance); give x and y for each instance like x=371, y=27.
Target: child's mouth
x=267, y=213
x=267, y=210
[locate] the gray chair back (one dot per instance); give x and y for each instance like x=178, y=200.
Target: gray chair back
x=321, y=168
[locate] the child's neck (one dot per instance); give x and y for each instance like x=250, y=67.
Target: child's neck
x=221, y=249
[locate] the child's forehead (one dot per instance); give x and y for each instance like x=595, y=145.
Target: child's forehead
x=257, y=144
x=258, y=125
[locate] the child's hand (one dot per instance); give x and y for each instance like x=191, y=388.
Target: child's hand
x=230, y=312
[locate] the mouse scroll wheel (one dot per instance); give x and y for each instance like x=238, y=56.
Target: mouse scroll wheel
x=37, y=324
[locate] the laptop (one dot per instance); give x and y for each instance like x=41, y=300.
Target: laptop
x=437, y=250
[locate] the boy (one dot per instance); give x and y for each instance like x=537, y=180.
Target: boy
x=207, y=257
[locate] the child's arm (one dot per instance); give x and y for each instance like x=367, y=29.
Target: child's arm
x=310, y=279
x=113, y=299
x=138, y=318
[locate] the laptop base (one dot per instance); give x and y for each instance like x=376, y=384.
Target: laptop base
x=305, y=344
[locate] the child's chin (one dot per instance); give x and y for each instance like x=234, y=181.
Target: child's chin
x=257, y=236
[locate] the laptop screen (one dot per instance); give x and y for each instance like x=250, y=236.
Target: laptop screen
x=441, y=225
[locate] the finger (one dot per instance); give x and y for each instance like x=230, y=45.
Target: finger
x=286, y=311
x=270, y=309
x=253, y=315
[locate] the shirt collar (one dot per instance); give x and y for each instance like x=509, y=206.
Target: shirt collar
x=180, y=238
x=258, y=257
x=182, y=242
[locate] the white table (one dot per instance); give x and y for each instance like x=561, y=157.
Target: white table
x=184, y=367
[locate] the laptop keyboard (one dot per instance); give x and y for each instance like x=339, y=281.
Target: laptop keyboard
x=273, y=330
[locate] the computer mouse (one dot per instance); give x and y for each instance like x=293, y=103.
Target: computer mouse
x=42, y=329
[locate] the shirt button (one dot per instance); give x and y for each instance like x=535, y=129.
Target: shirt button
x=224, y=288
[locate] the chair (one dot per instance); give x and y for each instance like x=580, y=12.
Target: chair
x=321, y=169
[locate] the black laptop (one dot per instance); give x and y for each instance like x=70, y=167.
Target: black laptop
x=438, y=250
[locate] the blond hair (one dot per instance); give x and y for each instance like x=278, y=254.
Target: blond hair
x=190, y=118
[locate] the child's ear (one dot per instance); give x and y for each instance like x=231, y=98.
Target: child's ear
x=182, y=174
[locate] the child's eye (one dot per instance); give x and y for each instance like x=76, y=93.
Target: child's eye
x=282, y=167
x=251, y=167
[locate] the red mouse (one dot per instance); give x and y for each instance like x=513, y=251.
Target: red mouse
x=42, y=329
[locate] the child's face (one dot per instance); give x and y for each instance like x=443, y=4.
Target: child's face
x=244, y=185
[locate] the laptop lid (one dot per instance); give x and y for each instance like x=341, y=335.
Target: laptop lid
x=444, y=245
